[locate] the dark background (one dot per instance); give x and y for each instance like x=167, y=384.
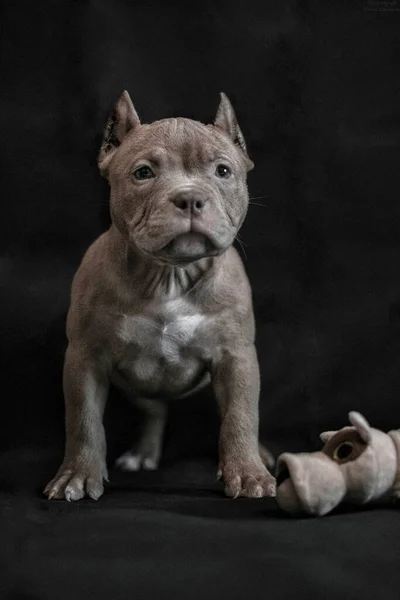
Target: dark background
x=316, y=87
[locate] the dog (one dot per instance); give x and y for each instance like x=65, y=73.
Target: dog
x=161, y=305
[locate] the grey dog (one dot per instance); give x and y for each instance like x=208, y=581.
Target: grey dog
x=161, y=304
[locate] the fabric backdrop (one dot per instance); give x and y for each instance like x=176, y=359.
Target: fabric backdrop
x=317, y=93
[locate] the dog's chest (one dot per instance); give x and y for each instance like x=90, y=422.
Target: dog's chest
x=167, y=332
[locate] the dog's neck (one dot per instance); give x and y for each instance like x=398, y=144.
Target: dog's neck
x=151, y=278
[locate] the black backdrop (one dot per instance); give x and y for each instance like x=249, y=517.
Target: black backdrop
x=316, y=87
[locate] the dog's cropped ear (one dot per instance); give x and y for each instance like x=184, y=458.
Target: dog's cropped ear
x=123, y=119
x=227, y=121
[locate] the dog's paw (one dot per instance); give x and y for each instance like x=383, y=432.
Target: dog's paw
x=145, y=454
x=74, y=483
x=131, y=461
x=251, y=480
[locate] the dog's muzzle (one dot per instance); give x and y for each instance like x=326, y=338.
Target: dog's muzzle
x=190, y=202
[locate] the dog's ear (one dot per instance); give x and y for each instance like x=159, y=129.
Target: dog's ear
x=227, y=121
x=123, y=119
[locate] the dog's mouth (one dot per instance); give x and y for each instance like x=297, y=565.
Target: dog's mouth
x=188, y=247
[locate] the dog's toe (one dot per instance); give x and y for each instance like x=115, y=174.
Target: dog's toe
x=74, y=484
x=135, y=461
x=250, y=481
x=128, y=462
x=75, y=489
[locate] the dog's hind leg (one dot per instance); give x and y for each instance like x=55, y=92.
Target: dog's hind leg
x=146, y=451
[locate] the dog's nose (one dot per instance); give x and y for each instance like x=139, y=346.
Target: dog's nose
x=189, y=201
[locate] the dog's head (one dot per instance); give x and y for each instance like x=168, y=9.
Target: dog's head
x=178, y=187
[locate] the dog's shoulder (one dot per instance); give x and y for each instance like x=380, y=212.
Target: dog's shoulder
x=232, y=282
x=89, y=288
x=90, y=273
x=229, y=297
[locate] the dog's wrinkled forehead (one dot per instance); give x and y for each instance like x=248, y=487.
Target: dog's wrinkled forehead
x=125, y=134
x=192, y=141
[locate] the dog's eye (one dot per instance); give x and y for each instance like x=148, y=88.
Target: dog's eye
x=223, y=172
x=143, y=173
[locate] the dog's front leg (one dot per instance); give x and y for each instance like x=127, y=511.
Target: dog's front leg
x=236, y=383
x=84, y=467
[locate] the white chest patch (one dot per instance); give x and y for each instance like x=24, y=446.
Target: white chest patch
x=163, y=334
x=177, y=335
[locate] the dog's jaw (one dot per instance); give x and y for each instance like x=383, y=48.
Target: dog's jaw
x=187, y=248
x=158, y=276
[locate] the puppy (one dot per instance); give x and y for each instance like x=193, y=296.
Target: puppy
x=161, y=304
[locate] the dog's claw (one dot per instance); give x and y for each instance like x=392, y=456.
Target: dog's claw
x=250, y=481
x=73, y=484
